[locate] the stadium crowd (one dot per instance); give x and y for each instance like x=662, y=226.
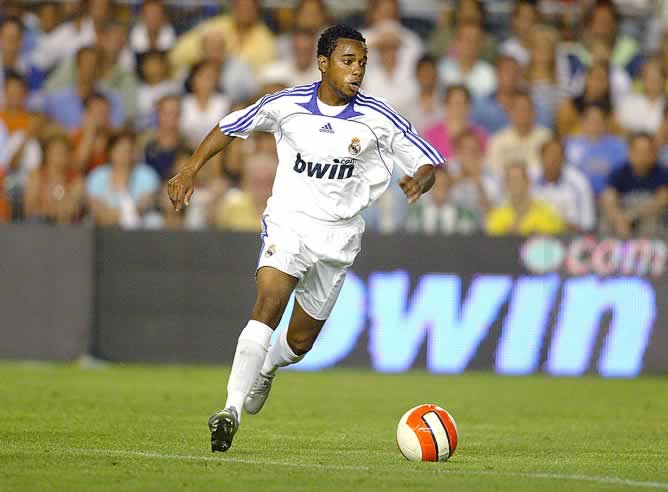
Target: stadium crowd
x=552, y=115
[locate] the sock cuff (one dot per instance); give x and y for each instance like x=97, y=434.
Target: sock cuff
x=289, y=353
x=258, y=332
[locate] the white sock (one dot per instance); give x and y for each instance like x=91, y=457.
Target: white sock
x=280, y=355
x=248, y=358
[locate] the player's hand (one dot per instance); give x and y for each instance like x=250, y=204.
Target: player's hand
x=411, y=188
x=180, y=189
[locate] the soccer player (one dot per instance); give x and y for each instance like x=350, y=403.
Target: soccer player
x=336, y=151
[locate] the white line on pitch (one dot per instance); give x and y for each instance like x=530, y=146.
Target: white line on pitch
x=226, y=459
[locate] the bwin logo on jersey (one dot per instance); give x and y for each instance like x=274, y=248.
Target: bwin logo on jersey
x=341, y=169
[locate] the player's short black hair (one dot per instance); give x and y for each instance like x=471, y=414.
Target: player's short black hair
x=329, y=38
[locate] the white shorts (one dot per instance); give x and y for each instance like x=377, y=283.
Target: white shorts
x=316, y=252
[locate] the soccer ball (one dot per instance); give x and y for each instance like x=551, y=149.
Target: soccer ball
x=427, y=433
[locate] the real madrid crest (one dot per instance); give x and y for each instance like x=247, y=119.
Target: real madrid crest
x=355, y=146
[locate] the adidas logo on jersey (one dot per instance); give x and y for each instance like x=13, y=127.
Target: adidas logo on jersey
x=327, y=128
x=341, y=169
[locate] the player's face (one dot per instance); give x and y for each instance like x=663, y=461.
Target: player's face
x=345, y=67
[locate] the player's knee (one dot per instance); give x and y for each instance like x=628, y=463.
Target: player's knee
x=268, y=310
x=300, y=343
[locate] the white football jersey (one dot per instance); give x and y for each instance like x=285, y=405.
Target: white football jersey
x=331, y=167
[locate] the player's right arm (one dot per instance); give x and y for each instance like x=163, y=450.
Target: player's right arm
x=180, y=187
x=261, y=116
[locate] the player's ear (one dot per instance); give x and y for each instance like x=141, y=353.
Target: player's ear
x=323, y=63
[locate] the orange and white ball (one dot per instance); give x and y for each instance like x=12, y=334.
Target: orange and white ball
x=427, y=433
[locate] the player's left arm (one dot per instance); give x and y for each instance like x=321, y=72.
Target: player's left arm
x=415, y=156
x=418, y=184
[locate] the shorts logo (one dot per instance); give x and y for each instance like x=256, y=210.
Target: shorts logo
x=355, y=146
x=270, y=251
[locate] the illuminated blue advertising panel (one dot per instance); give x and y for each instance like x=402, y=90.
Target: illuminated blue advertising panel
x=564, y=306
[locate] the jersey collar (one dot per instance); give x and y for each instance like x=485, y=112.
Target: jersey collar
x=312, y=106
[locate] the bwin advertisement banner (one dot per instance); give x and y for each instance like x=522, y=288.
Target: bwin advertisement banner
x=566, y=306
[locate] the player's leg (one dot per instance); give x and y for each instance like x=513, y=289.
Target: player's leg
x=290, y=347
x=293, y=343
x=273, y=292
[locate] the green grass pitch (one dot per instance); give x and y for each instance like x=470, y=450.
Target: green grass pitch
x=144, y=428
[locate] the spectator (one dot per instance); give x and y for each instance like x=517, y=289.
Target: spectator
x=466, y=67
x=636, y=197
x=11, y=60
x=601, y=52
x=387, y=77
x=115, y=67
x=595, y=151
x=301, y=68
x=155, y=84
x=208, y=189
x=522, y=213
x=54, y=192
x=388, y=214
x=644, y=112
x=119, y=193
x=466, y=11
x=241, y=209
x=474, y=187
x=521, y=141
x=442, y=135
x=309, y=16
x=379, y=15
x=492, y=113
x=69, y=38
x=164, y=144
x=427, y=107
x=91, y=140
x=523, y=19
x=434, y=214
x=48, y=19
x=547, y=73
x=14, y=111
x=596, y=91
x=663, y=49
x=4, y=136
x=117, y=70
x=236, y=76
x=21, y=150
x=603, y=22
x=233, y=158
x=66, y=106
x=565, y=188
x=246, y=37
x=164, y=215
x=661, y=139
x=5, y=207
x=204, y=106
x=153, y=31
